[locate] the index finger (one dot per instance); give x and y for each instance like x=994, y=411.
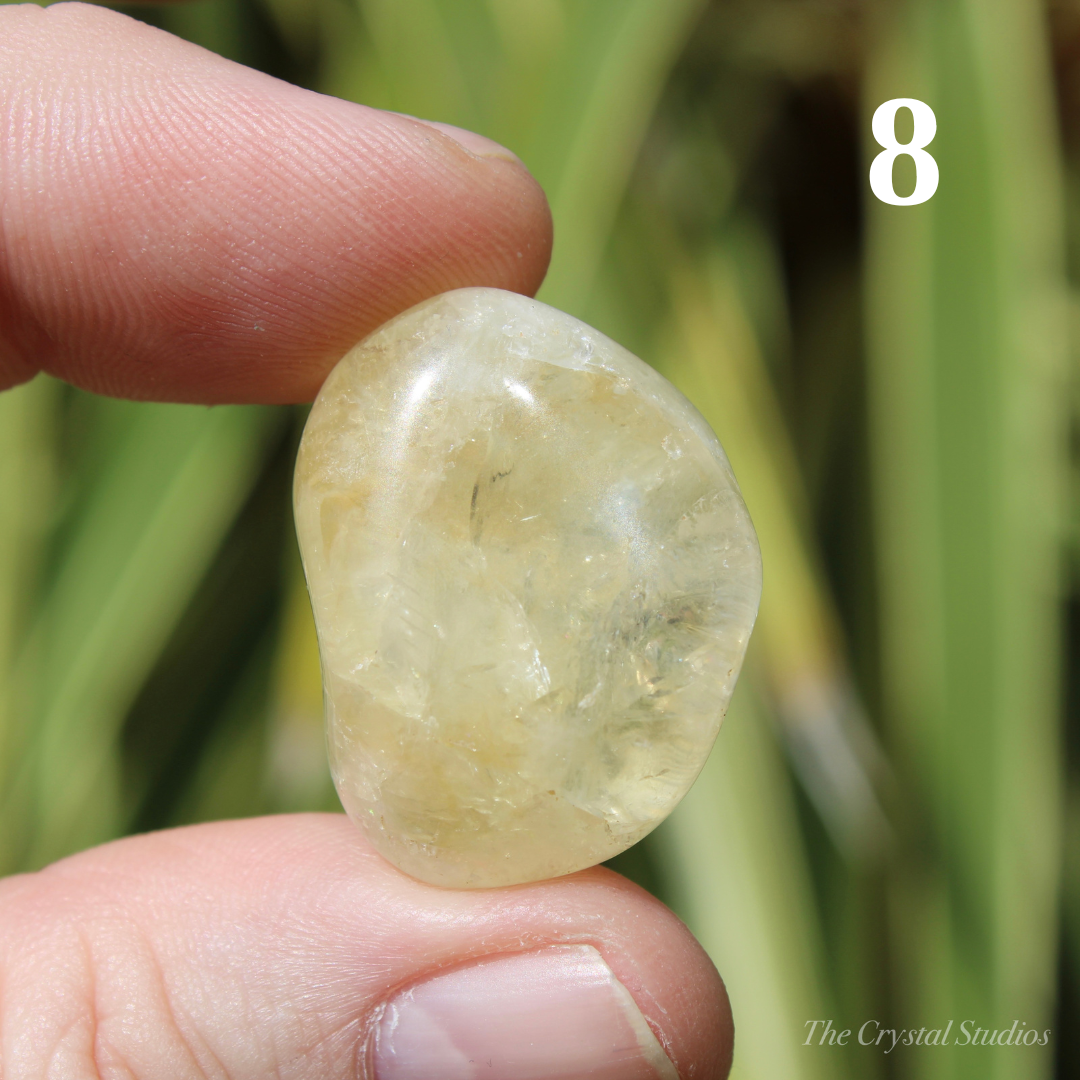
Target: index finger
x=174, y=226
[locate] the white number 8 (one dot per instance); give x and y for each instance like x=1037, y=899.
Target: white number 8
x=926, y=171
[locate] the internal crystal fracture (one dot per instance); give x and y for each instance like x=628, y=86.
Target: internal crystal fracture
x=533, y=579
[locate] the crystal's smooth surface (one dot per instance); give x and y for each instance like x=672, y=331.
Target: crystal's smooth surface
x=533, y=579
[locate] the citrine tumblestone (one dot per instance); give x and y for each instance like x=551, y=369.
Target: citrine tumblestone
x=533, y=579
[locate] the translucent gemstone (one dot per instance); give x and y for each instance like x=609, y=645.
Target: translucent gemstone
x=533, y=579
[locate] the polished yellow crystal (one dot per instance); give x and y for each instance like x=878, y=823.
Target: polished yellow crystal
x=533, y=579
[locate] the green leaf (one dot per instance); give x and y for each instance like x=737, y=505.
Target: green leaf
x=968, y=407
x=569, y=87
x=143, y=537
x=28, y=493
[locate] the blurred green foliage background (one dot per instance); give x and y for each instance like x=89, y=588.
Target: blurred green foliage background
x=889, y=827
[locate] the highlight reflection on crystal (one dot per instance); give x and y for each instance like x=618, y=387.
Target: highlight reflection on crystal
x=533, y=579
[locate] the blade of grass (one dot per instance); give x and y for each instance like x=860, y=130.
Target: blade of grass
x=400, y=55
x=143, y=539
x=170, y=727
x=610, y=81
x=736, y=873
x=967, y=407
x=214, y=24
x=569, y=87
x=28, y=494
x=229, y=781
x=713, y=358
x=297, y=23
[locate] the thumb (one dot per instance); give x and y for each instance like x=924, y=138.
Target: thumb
x=285, y=947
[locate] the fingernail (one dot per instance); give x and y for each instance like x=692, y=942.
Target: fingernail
x=479, y=145
x=555, y=1014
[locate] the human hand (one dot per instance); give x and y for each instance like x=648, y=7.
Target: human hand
x=176, y=227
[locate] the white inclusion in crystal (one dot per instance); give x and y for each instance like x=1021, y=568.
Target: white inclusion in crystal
x=519, y=391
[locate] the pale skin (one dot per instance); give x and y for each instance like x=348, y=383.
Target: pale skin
x=177, y=227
